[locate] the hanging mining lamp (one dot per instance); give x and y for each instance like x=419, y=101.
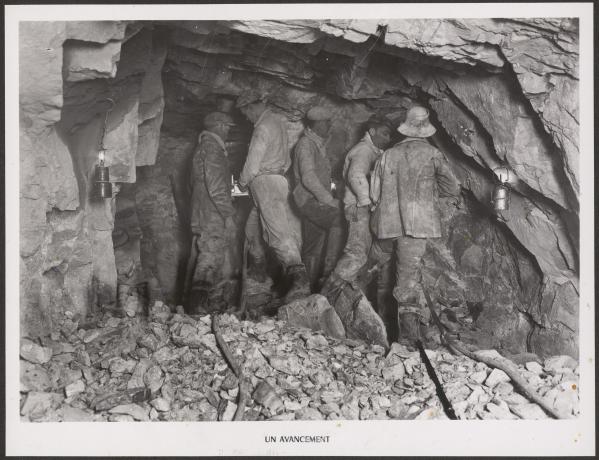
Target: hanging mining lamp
x=103, y=185
x=501, y=192
x=102, y=179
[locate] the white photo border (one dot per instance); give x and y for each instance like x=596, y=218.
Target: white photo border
x=351, y=438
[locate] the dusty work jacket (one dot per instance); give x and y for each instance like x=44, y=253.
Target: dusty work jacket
x=413, y=175
x=269, y=148
x=211, y=182
x=311, y=170
x=356, y=170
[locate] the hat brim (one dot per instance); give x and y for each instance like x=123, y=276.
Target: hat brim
x=211, y=124
x=411, y=131
x=241, y=104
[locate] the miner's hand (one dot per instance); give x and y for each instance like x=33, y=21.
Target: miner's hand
x=334, y=202
x=366, y=202
x=458, y=202
x=196, y=241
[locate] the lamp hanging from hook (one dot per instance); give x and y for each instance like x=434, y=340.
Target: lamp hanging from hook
x=103, y=184
x=501, y=192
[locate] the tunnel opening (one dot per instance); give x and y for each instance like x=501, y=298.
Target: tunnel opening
x=512, y=278
x=357, y=79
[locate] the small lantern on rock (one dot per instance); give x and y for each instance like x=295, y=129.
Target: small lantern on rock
x=103, y=184
x=501, y=192
x=102, y=176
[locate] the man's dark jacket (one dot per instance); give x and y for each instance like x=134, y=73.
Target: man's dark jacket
x=211, y=183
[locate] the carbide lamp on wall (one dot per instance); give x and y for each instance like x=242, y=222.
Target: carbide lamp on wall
x=103, y=184
x=501, y=192
x=235, y=189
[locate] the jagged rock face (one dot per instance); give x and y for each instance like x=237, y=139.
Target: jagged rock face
x=67, y=69
x=542, y=52
x=499, y=91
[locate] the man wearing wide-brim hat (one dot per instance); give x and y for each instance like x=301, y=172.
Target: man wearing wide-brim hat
x=408, y=180
x=212, y=211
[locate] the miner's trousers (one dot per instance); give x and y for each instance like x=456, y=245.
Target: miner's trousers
x=407, y=292
x=211, y=246
x=273, y=220
x=359, y=240
x=322, y=236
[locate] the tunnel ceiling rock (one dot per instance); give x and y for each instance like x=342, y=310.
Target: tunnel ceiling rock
x=542, y=54
x=87, y=62
x=93, y=49
x=96, y=31
x=300, y=31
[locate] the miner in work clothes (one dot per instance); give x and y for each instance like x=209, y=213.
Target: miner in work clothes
x=264, y=171
x=320, y=211
x=212, y=210
x=356, y=173
x=407, y=182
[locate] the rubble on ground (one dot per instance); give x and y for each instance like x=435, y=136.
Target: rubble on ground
x=168, y=367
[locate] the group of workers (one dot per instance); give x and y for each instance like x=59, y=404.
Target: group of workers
x=390, y=203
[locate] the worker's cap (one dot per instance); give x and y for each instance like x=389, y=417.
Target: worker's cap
x=224, y=104
x=376, y=121
x=215, y=118
x=318, y=113
x=250, y=97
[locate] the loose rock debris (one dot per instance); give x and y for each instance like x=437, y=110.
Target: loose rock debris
x=169, y=367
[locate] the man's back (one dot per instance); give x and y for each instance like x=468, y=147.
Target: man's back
x=414, y=175
x=268, y=152
x=356, y=169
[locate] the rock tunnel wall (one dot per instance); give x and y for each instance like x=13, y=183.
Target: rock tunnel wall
x=501, y=91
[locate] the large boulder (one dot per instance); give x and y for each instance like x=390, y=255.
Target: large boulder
x=313, y=312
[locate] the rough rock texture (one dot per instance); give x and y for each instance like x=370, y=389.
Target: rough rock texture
x=542, y=53
x=67, y=250
x=85, y=62
x=460, y=68
x=314, y=313
x=517, y=275
x=168, y=368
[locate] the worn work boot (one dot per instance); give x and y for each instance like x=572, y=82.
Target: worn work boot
x=300, y=284
x=312, y=265
x=257, y=271
x=332, y=285
x=198, y=300
x=409, y=329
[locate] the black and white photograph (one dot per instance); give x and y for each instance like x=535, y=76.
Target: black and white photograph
x=346, y=225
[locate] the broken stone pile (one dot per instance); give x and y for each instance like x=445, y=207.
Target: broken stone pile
x=168, y=367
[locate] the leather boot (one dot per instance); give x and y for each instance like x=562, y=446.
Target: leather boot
x=300, y=284
x=312, y=265
x=409, y=328
x=257, y=271
x=332, y=286
x=198, y=299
